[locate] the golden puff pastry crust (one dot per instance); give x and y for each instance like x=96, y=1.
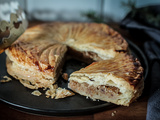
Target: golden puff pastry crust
x=39, y=52
x=95, y=38
x=37, y=64
x=37, y=57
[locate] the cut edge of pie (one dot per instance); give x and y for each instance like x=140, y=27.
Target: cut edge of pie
x=118, y=80
x=35, y=68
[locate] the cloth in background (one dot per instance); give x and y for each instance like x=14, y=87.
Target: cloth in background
x=139, y=22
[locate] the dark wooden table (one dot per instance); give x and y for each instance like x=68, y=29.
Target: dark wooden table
x=136, y=111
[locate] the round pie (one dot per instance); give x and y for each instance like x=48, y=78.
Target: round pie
x=37, y=58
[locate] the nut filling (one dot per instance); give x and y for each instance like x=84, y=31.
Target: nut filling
x=91, y=90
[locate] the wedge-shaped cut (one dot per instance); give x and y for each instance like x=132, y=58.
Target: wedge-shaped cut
x=36, y=64
x=118, y=80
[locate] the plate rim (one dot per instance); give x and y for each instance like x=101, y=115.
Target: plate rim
x=81, y=111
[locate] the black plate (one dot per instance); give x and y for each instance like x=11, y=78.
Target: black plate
x=19, y=97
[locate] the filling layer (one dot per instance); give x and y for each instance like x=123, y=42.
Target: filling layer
x=95, y=92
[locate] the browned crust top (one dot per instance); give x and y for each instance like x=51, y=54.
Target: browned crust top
x=42, y=55
x=34, y=46
x=122, y=66
x=99, y=34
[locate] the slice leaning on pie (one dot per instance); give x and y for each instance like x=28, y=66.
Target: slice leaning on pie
x=118, y=80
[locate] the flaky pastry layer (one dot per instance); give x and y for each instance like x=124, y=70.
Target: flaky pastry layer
x=123, y=73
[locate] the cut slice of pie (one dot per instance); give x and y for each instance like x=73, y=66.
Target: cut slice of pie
x=36, y=63
x=118, y=80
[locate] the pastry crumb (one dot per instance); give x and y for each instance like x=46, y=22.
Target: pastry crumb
x=51, y=92
x=36, y=93
x=6, y=79
x=62, y=93
x=113, y=113
x=93, y=99
x=65, y=76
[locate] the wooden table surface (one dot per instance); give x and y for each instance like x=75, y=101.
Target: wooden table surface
x=136, y=111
